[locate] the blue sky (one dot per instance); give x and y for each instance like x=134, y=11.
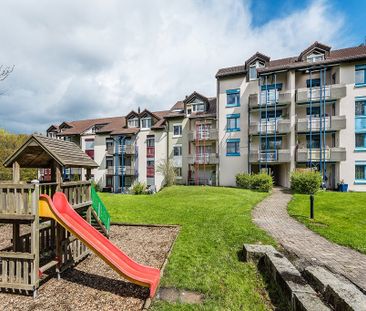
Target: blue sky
x=354, y=12
x=89, y=58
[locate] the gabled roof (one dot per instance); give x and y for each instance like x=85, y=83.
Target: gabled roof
x=257, y=56
x=315, y=46
x=209, y=113
x=193, y=96
x=332, y=57
x=39, y=152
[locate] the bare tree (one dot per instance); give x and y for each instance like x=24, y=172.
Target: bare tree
x=5, y=71
x=167, y=169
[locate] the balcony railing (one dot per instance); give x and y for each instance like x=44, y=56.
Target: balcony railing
x=329, y=92
x=209, y=134
x=110, y=170
x=280, y=126
x=204, y=158
x=334, y=154
x=333, y=123
x=127, y=149
x=125, y=170
x=278, y=156
x=281, y=98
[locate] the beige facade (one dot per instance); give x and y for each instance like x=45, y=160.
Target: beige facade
x=279, y=137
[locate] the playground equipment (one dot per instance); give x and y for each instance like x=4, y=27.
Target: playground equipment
x=56, y=234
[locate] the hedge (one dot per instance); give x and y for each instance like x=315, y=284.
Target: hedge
x=261, y=182
x=306, y=182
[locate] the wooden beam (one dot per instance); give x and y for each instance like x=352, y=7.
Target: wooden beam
x=16, y=172
x=56, y=175
x=88, y=174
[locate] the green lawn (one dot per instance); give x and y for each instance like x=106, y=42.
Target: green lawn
x=215, y=222
x=339, y=217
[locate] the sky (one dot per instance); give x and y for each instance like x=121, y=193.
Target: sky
x=87, y=59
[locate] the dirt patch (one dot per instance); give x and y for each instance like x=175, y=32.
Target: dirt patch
x=92, y=285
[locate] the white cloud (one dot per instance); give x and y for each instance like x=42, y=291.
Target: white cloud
x=81, y=59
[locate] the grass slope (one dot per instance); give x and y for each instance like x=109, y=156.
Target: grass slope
x=339, y=217
x=215, y=222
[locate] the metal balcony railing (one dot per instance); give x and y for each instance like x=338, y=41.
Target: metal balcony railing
x=329, y=92
x=280, y=98
x=205, y=134
x=332, y=123
x=278, y=155
x=280, y=126
x=204, y=158
x=333, y=154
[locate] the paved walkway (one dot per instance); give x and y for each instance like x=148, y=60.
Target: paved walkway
x=271, y=215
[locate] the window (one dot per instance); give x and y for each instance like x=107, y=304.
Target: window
x=360, y=140
x=109, y=181
x=146, y=123
x=177, y=130
x=360, y=75
x=177, y=151
x=314, y=57
x=150, y=168
x=109, y=162
x=67, y=138
x=271, y=114
x=253, y=72
x=89, y=144
x=232, y=122
x=178, y=172
x=315, y=141
x=134, y=122
x=233, y=147
x=189, y=111
x=360, y=172
x=233, y=98
x=313, y=82
x=314, y=111
x=198, y=107
x=150, y=140
x=360, y=109
x=109, y=143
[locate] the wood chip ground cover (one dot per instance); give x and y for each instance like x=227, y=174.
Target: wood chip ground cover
x=92, y=285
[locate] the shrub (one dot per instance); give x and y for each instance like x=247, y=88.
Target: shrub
x=306, y=182
x=244, y=181
x=138, y=188
x=261, y=182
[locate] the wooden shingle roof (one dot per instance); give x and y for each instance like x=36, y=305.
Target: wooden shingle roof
x=39, y=152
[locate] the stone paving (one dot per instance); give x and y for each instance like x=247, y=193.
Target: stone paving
x=309, y=247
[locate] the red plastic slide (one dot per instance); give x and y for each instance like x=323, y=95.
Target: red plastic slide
x=60, y=210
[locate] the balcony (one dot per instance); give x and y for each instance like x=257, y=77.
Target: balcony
x=281, y=126
x=127, y=149
x=334, y=154
x=330, y=92
x=110, y=170
x=275, y=156
x=125, y=170
x=283, y=98
x=211, y=134
x=333, y=123
x=203, y=158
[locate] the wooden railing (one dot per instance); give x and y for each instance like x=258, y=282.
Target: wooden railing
x=18, y=199
x=77, y=193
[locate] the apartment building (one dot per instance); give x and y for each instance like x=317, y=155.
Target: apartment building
x=126, y=148
x=296, y=112
x=304, y=111
x=192, y=140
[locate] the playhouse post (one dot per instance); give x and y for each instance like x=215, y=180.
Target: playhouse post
x=16, y=172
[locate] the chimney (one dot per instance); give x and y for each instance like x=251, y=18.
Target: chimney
x=138, y=110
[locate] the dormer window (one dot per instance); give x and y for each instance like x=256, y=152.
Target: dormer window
x=253, y=70
x=134, y=122
x=146, y=123
x=314, y=57
x=198, y=107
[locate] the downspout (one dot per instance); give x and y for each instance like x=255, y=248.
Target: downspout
x=218, y=127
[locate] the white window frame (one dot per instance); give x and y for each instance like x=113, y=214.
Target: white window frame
x=133, y=123
x=181, y=130
x=314, y=57
x=196, y=105
x=181, y=172
x=145, y=120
